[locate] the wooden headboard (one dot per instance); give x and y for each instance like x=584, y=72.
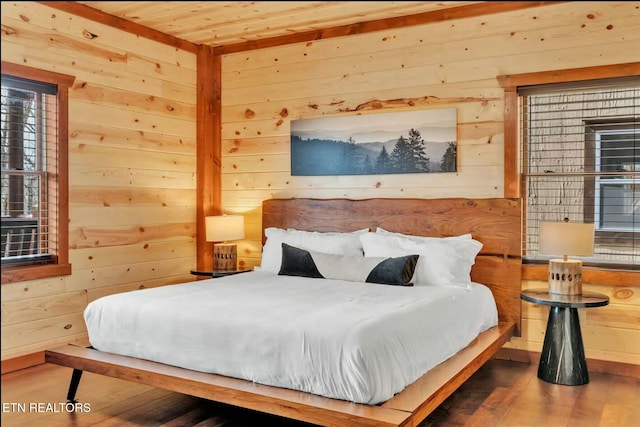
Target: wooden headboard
x=494, y=222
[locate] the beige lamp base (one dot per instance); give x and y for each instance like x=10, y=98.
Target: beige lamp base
x=565, y=277
x=225, y=257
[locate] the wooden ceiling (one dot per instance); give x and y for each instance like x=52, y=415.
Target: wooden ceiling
x=228, y=27
x=222, y=23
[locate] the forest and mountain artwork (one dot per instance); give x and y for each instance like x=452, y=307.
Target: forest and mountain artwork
x=422, y=141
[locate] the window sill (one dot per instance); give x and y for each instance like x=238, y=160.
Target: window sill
x=21, y=274
x=589, y=275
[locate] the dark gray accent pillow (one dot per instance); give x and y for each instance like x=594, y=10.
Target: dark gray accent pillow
x=388, y=271
x=298, y=262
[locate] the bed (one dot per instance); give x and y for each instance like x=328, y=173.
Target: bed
x=494, y=222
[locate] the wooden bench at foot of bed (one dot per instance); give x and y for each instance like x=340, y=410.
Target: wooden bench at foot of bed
x=407, y=408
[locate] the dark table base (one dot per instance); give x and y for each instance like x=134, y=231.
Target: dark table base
x=562, y=360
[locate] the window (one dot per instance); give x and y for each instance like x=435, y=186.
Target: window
x=33, y=131
x=580, y=159
x=616, y=193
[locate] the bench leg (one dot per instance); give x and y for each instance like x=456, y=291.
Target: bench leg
x=73, y=385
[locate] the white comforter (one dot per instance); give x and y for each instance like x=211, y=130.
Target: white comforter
x=360, y=342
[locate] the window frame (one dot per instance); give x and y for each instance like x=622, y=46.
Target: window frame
x=599, y=130
x=513, y=179
x=61, y=265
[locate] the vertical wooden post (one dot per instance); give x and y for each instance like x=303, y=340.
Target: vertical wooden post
x=511, y=145
x=209, y=149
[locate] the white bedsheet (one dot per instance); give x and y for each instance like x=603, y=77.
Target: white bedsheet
x=360, y=342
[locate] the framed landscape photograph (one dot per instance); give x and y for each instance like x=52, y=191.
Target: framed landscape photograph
x=423, y=141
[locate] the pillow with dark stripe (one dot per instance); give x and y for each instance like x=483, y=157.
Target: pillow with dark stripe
x=388, y=271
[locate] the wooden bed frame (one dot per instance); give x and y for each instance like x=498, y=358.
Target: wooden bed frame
x=494, y=222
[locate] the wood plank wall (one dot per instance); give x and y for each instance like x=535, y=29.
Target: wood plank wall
x=132, y=154
x=132, y=157
x=439, y=65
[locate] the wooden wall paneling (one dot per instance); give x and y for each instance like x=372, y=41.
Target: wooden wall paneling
x=97, y=134
x=467, y=111
x=596, y=338
x=339, y=85
x=119, y=216
x=590, y=275
x=237, y=200
x=485, y=68
x=415, y=95
x=118, y=275
x=82, y=237
x=238, y=203
x=614, y=316
x=91, y=155
x=106, y=256
x=628, y=295
x=109, y=96
x=388, y=56
x=123, y=118
x=108, y=176
x=117, y=196
x=95, y=293
x=79, y=339
x=33, y=289
x=26, y=310
x=115, y=75
x=283, y=180
x=42, y=330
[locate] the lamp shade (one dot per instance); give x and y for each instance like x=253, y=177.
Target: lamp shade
x=566, y=238
x=223, y=228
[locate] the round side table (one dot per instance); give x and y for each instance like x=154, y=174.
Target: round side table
x=562, y=360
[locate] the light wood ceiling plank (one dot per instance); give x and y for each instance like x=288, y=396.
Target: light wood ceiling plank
x=226, y=22
x=301, y=20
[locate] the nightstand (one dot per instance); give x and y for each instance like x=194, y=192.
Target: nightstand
x=216, y=274
x=562, y=360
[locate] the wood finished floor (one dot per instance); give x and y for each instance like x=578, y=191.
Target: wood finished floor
x=501, y=393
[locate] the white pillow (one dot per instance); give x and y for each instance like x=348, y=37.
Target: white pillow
x=380, y=230
x=335, y=243
x=445, y=262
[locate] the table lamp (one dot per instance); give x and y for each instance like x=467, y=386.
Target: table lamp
x=566, y=238
x=220, y=230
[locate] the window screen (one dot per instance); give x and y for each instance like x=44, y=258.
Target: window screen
x=581, y=162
